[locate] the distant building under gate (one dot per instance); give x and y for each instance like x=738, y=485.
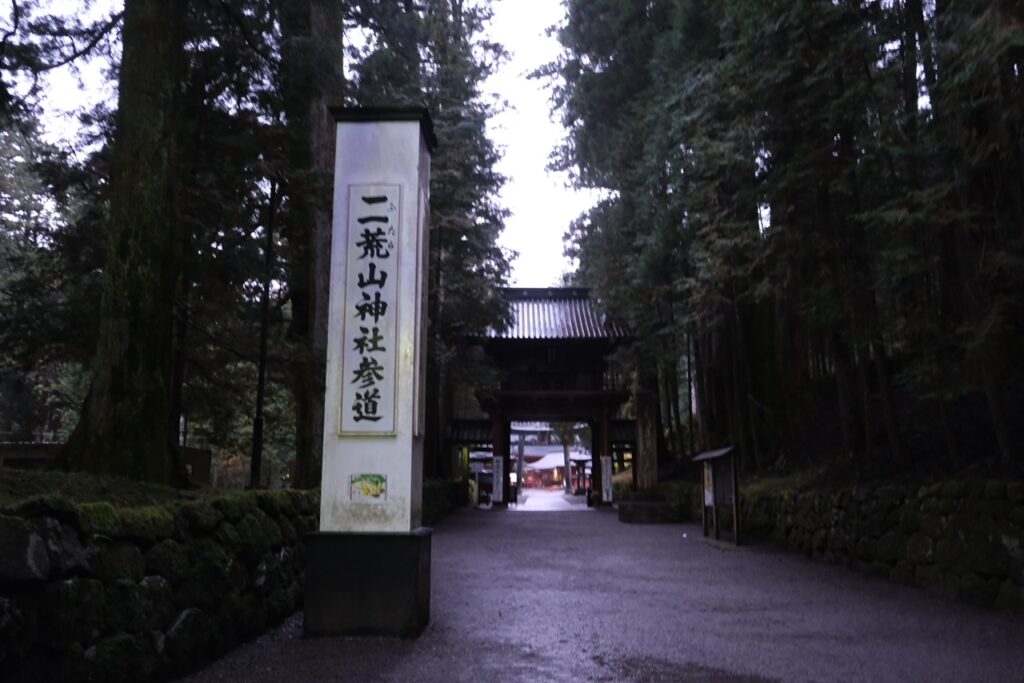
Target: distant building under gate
x=553, y=364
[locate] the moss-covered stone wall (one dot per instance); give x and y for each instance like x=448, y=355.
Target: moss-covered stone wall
x=95, y=593
x=962, y=539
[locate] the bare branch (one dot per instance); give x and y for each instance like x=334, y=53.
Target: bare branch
x=97, y=34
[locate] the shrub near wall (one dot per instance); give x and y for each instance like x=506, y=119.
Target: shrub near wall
x=96, y=593
x=963, y=539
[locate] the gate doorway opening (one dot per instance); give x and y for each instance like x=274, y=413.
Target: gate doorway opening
x=554, y=374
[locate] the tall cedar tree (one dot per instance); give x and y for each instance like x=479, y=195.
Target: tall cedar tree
x=126, y=426
x=311, y=80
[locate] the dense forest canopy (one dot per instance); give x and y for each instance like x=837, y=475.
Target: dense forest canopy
x=160, y=268
x=811, y=215
x=814, y=219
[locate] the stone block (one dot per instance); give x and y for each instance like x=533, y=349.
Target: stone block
x=993, y=509
x=952, y=490
x=19, y=623
x=367, y=584
x=1015, y=492
x=102, y=519
x=974, y=488
x=67, y=553
x=235, y=506
x=910, y=518
x=253, y=540
x=121, y=658
x=49, y=505
x=933, y=525
x=170, y=560
x=979, y=589
x=289, y=534
x=928, y=576
x=245, y=615
x=994, y=490
x=148, y=524
x=891, y=547
x=920, y=549
x=1010, y=597
x=212, y=578
x=947, y=553
x=126, y=609
x=25, y=556
x=158, y=602
x=192, y=639
x=74, y=610
x=120, y=560
x=902, y=573
x=200, y=516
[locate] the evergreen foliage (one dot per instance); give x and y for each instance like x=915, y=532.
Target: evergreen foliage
x=819, y=208
x=250, y=175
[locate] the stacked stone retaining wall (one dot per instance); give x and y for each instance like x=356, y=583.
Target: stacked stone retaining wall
x=96, y=593
x=963, y=539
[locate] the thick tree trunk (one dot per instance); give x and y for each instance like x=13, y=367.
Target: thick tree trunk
x=845, y=396
x=125, y=426
x=646, y=460
x=311, y=80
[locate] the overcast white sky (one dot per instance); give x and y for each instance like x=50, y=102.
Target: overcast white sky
x=541, y=203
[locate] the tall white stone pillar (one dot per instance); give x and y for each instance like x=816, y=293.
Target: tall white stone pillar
x=369, y=566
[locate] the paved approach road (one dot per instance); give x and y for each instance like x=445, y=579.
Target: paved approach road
x=549, y=596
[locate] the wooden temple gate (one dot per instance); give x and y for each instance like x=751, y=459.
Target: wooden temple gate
x=553, y=360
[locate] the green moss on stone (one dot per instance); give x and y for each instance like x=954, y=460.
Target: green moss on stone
x=235, y=506
x=227, y=537
x=288, y=532
x=268, y=502
x=271, y=531
x=150, y=523
x=102, y=519
x=201, y=516
x=253, y=541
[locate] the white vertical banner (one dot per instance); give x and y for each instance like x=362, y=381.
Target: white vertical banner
x=498, y=480
x=606, y=478
x=369, y=367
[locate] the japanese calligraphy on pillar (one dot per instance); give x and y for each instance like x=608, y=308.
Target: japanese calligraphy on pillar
x=370, y=359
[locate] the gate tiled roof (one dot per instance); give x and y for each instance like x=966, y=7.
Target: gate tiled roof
x=556, y=313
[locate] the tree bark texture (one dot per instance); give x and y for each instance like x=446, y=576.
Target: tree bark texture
x=311, y=81
x=125, y=426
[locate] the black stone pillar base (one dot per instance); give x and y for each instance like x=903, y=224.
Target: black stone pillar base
x=367, y=584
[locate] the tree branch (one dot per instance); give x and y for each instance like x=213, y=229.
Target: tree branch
x=246, y=33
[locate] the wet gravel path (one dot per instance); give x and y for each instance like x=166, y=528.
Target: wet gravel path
x=548, y=596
